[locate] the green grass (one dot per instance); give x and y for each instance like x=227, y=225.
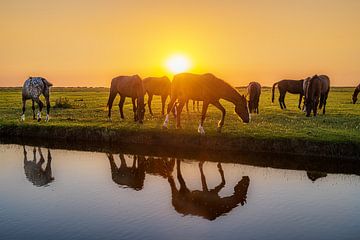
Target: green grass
x=340, y=124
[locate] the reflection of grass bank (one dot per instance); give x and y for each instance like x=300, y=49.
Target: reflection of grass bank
x=337, y=133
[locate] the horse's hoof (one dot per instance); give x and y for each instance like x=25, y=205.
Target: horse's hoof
x=201, y=130
x=22, y=118
x=219, y=129
x=164, y=127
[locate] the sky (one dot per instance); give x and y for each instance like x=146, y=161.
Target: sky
x=87, y=43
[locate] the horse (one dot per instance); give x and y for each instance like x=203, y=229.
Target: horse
x=34, y=171
x=253, y=93
x=158, y=86
x=291, y=86
x=32, y=89
x=210, y=90
x=128, y=86
x=206, y=203
x=355, y=94
x=316, y=93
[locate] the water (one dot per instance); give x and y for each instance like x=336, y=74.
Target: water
x=87, y=195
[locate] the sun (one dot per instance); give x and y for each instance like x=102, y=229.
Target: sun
x=177, y=64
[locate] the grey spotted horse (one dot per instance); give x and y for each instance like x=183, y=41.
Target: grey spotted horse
x=32, y=89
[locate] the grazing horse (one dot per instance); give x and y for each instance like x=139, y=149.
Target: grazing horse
x=210, y=90
x=132, y=176
x=291, y=86
x=206, y=203
x=34, y=171
x=128, y=86
x=253, y=93
x=316, y=93
x=32, y=89
x=356, y=92
x=158, y=86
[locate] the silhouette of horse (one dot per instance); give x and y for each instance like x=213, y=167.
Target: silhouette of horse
x=291, y=86
x=317, y=91
x=253, y=93
x=128, y=86
x=34, y=171
x=159, y=86
x=355, y=94
x=206, y=203
x=210, y=90
x=32, y=89
x=132, y=176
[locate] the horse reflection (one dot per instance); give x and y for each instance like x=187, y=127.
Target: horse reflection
x=206, y=203
x=129, y=176
x=134, y=176
x=34, y=171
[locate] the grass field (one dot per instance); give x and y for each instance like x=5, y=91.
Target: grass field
x=340, y=124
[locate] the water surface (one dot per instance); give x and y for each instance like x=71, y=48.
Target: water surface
x=66, y=194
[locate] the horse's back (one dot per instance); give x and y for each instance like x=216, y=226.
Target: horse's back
x=128, y=86
x=197, y=86
x=157, y=85
x=291, y=86
x=35, y=86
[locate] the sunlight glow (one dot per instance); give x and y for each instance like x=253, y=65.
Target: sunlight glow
x=177, y=64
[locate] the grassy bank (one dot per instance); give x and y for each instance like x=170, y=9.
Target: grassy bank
x=272, y=130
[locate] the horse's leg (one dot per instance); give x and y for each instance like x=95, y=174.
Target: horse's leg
x=121, y=106
x=163, y=100
x=280, y=98
x=180, y=178
x=222, y=184
x=170, y=107
x=33, y=109
x=218, y=105
x=197, y=106
x=179, y=110
x=134, y=109
x=187, y=106
x=283, y=100
x=149, y=104
x=47, y=98
x=41, y=105
x=23, y=109
x=25, y=154
x=325, y=98
x=300, y=100
x=316, y=103
x=42, y=159
x=110, y=102
x=48, y=166
x=203, y=179
x=203, y=115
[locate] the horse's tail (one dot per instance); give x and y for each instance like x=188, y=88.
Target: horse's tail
x=111, y=94
x=46, y=82
x=273, y=90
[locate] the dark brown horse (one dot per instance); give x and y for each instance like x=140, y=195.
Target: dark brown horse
x=316, y=93
x=32, y=89
x=158, y=86
x=253, y=94
x=128, y=86
x=34, y=171
x=210, y=90
x=206, y=203
x=291, y=86
x=356, y=92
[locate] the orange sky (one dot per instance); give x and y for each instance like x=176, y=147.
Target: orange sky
x=86, y=43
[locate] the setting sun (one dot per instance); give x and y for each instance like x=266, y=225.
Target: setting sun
x=177, y=64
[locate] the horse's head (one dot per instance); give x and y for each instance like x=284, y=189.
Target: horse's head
x=140, y=112
x=241, y=109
